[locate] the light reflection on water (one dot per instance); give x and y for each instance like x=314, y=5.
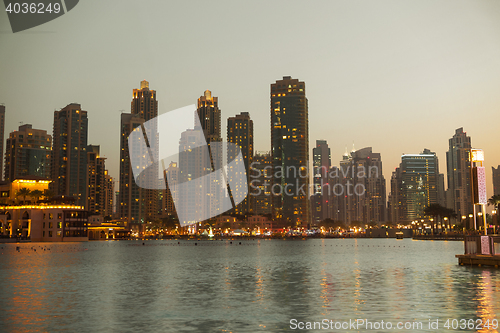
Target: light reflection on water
x=257, y=286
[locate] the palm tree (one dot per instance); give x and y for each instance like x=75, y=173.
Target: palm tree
x=436, y=211
x=47, y=194
x=23, y=191
x=36, y=194
x=495, y=202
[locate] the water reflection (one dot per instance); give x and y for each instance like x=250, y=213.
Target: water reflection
x=258, y=286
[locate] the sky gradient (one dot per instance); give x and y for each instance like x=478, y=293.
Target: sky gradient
x=399, y=76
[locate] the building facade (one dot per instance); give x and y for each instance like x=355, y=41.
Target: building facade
x=137, y=205
x=45, y=223
x=496, y=180
x=28, y=153
x=240, y=133
x=290, y=152
x=69, y=153
x=98, y=183
x=171, y=193
x=260, y=183
x=459, y=173
x=130, y=205
x=415, y=185
x=209, y=116
x=321, y=166
x=357, y=189
x=194, y=163
x=2, y=135
x=109, y=195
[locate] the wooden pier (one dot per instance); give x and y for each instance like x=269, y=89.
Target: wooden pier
x=478, y=260
x=480, y=251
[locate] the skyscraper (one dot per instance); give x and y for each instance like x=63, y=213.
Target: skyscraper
x=398, y=209
x=109, y=195
x=290, y=152
x=2, y=134
x=459, y=172
x=364, y=188
x=415, y=186
x=137, y=205
x=321, y=166
x=145, y=105
x=209, y=116
x=28, y=153
x=260, y=183
x=130, y=206
x=194, y=163
x=240, y=132
x=98, y=182
x=69, y=153
x=171, y=193
x=496, y=180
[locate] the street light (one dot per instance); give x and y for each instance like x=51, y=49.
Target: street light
x=480, y=216
x=463, y=223
x=494, y=212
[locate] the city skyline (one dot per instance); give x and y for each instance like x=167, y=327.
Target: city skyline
x=145, y=83
x=406, y=78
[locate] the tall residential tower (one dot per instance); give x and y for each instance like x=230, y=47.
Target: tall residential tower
x=321, y=166
x=240, y=133
x=69, y=153
x=459, y=193
x=28, y=153
x=290, y=152
x=136, y=205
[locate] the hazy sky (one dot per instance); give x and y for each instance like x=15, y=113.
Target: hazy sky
x=399, y=76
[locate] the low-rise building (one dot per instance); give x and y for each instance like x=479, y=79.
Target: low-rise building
x=45, y=223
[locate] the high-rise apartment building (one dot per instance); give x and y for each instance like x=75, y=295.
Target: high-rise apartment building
x=240, y=133
x=496, y=180
x=2, y=135
x=69, y=153
x=137, y=205
x=130, y=205
x=171, y=192
x=290, y=152
x=144, y=103
x=259, y=185
x=357, y=189
x=109, y=195
x=210, y=120
x=194, y=162
x=415, y=185
x=321, y=166
x=209, y=115
x=396, y=206
x=459, y=173
x=28, y=153
x=98, y=182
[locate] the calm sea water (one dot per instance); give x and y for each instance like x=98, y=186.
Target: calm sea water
x=255, y=286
